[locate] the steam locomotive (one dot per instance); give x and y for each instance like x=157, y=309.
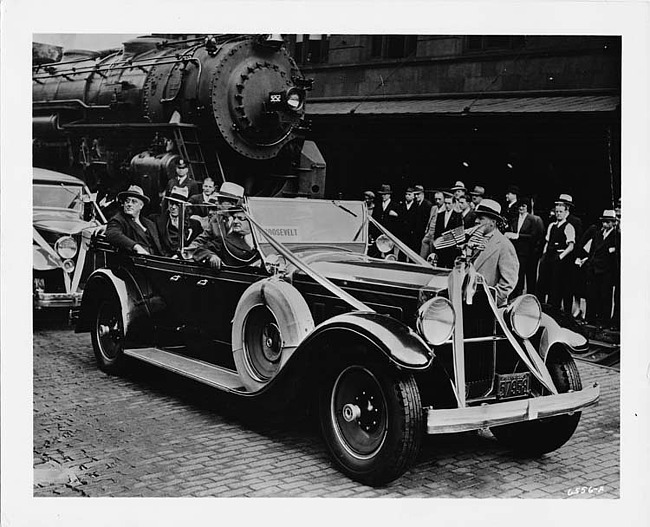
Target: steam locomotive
x=233, y=106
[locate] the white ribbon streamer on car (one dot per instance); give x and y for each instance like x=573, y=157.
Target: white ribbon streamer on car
x=532, y=359
x=57, y=259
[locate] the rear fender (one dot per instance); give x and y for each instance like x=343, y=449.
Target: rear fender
x=104, y=282
x=399, y=343
x=553, y=333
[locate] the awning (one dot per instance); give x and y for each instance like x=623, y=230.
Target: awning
x=574, y=104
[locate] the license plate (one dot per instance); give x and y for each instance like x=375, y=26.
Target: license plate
x=513, y=385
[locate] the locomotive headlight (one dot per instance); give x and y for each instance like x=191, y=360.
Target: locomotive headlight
x=435, y=320
x=295, y=99
x=524, y=316
x=66, y=247
x=384, y=244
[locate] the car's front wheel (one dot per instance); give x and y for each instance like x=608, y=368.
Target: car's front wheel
x=372, y=421
x=534, y=438
x=108, y=336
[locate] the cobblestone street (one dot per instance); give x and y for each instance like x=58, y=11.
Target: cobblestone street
x=151, y=433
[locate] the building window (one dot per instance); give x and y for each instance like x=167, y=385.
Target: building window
x=311, y=49
x=494, y=42
x=393, y=46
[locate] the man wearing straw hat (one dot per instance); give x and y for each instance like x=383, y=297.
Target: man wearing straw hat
x=497, y=262
x=128, y=230
x=601, y=264
x=168, y=222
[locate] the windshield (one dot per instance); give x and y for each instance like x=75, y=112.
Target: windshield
x=297, y=222
x=58, y=196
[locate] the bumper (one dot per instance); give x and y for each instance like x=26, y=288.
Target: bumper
x=477, y=417
x=48, y=300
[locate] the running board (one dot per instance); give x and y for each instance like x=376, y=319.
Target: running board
x=198, y=370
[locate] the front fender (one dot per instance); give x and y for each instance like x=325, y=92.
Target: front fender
x=399, y=343
x=104, y=282
x=553, y=333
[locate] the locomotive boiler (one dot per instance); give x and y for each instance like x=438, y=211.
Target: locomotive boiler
x=233, y=106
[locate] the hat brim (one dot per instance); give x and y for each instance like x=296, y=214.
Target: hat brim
x=228, y=196
x=181, y=199
x=385, y=192
x=607, y=218
x=454, y=189
x=128, y=193
x=489, y=214
x=561, y=202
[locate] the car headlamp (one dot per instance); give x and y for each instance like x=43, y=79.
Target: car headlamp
x=295, y=100
x=384, y=244
x=524, y=316
x=435, y=320
x=66, y=247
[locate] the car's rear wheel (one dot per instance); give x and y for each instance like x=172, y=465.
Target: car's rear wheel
x=108, y=336
x=534, y=438
x=372, y=421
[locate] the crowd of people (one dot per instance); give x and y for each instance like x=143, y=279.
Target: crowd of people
x=564, y=265
x=573, y=269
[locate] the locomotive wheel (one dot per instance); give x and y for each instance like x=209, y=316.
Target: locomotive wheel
x=534, y=438
x=108, y=336
x=372, y=421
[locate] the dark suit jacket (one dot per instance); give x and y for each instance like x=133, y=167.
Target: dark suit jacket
x=530, y=234
x=232, y=249
x=123, y=233
x=197, y=199
x=603, y=254
x=469, y=220
x=456, y=220
x=384, y=217
x=511, y=212
x=191, y=184
x=422, y=212
x=407, y=219
x=192, y=230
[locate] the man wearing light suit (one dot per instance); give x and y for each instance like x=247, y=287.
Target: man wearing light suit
x=498, y=262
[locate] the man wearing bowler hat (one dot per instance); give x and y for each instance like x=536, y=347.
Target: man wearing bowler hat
x=129, y=230
x=497, y=262
x=386, y=212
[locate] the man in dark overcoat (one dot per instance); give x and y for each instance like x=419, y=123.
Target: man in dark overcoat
x=129, y=230
x=525, y=234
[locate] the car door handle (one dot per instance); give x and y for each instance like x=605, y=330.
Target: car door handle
x=175, y=278
x=202, y=282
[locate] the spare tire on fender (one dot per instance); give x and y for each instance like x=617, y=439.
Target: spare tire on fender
x=271, y=320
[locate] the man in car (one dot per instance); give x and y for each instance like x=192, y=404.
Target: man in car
x=497, y=262
x=227, y=237
x=168, y=222
x=129, y=230
x=234, y=249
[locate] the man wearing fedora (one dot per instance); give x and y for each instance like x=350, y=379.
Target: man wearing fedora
x=423, y=210
x=129, y=230
x=426, y=246
x=183, y=179
x=408, y=218
x=386, y=212
x=512, y=205
x=477, y=195
x=525, y=234
x=457, y=191
x=601, y=264
x=447, y=220
x=555, y=267
x=220, y=241
x=168, y=222
x=497, y=262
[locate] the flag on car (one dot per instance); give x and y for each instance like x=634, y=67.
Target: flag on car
x=450, y=238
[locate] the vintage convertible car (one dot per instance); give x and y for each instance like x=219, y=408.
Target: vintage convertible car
x=64, y=217
x=388, y=351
